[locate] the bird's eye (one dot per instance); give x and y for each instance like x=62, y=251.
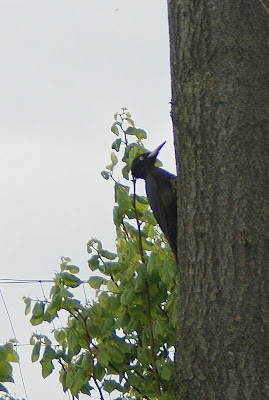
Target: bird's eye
x=141, y=158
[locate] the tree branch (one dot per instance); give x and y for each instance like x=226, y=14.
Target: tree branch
x=147, y=297
x=264, y=6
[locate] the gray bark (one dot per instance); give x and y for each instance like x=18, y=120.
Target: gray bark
x=220, y=113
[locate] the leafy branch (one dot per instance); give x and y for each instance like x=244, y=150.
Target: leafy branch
x=123, y=340
x=147, y=298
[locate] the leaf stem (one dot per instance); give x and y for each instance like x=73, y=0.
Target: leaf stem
x=151, y=340
x=138, y=226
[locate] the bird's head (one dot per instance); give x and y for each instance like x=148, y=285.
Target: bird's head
x=144, y=162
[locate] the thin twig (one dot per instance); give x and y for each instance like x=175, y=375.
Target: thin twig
x=134, y=387
x=147, y=296
x=264, y=6
x=138, y=227
x=151, y=341
x=124, y=228
x=89, y=342
x=123, y=130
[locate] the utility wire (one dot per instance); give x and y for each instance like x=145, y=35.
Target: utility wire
x=9, y=280
x=13, y=331
x=25, y=281
x=43, y=291
x=17, y=281
x=85, y=295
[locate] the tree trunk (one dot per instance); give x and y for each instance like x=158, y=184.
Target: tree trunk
x=220, y=112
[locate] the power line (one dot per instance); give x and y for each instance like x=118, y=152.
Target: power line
x=29, y=281
x=18, y=281
x=15, y=336
x=84, y=291
x=43, y=291
x=9, y=280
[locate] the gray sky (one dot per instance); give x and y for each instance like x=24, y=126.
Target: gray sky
x=66, y=68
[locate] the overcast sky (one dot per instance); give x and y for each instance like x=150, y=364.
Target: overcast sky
x=66, y=67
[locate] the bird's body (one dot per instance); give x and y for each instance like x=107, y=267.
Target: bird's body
x=161, y=193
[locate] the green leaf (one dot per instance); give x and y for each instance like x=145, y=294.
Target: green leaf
x=123, y=320
x=27, y=302
x=169, y=270
x=60, y=335
x=46, y=361
x=66, y=260
x=105, y=174
x=96, y=281
x=141, y=206
x=92, y=244
x=150, y=217
x=37, y=313
x=125, y=171
x=36, y=351
x=112, y=287
x=114, y=159
x=103, y=356
x=47, y=368
x=46, y=340
x=94, y=262
x=127, y=296
x=132, y=250
x=131, y=151
x=71, y=268
x=7, y=353
x=116, y=145
x=86, y=360
x=99, y=371
x=151, y=232
x=107, y=254
x=110, y=167
x=151, y=262
x=71, y=304
x=139, y=133
x=114, y=128
x=65, y=293
x=38, y=309
x=73, y=342
x=69, y=280
x=111, y=268
x=142, y=199
x=122, y=198
x=117, y=215
x=130, y=122
x=146, y=244
x=111, y=384
x=62, y=379
x=5, y=372
x=55, y=304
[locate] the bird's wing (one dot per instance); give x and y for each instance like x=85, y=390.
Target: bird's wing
x=161, y=192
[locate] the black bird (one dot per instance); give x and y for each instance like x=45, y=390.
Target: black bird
x=161, y=193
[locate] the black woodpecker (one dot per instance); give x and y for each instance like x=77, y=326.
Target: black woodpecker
x=161, y=193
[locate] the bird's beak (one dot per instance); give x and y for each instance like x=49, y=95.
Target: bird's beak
x=155, y=152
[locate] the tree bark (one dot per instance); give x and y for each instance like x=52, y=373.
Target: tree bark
x=220, y=113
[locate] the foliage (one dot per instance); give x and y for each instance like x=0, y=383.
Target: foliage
x=123, y=340
x=7, y=396
x=7, y=356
